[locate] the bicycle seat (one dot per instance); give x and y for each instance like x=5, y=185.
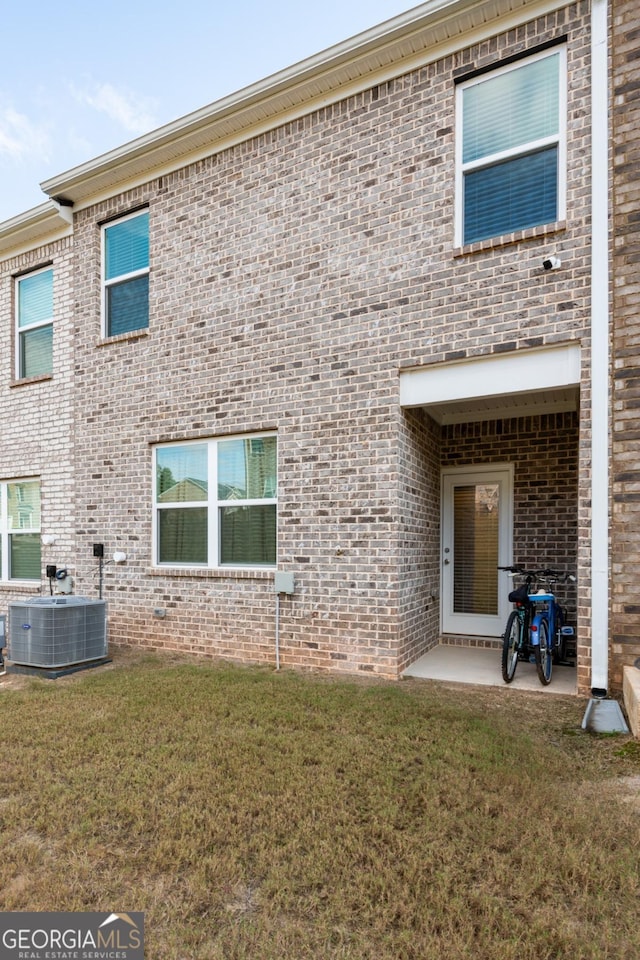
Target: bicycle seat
x=521, y=595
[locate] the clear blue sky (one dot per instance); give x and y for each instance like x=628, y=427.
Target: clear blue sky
x=78, y=79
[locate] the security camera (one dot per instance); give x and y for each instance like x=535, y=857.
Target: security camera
x=551, y=263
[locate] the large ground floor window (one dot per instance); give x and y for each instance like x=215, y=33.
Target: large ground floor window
x=20, y=530
x=215, y=502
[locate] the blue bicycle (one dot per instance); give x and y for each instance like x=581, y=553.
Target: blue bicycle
x=536, y=627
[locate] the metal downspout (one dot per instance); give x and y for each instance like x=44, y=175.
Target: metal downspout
x=599, y=349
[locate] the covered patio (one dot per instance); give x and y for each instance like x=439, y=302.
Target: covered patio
x=505, y=437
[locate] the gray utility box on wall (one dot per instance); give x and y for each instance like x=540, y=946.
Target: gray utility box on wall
x=57, y=631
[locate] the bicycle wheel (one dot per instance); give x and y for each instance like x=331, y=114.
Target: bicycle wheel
x=511, y=647
x=544, y=654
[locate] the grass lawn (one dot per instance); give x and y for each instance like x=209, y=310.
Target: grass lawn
x=262, y=816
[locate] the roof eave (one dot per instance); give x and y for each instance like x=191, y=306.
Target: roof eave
x=35, y=227
x=389, y=49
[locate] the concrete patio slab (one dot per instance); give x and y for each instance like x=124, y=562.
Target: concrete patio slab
x=483, y=666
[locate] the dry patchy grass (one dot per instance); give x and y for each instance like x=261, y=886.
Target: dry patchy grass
x=259, y=815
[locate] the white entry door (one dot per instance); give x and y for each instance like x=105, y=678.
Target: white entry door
x=477, y=537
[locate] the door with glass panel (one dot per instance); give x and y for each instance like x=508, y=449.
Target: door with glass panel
x=477, y=537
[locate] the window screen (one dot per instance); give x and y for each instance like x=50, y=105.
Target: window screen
x=35, y=324
x=126, y=274
x=510, y=156
x=216, y=502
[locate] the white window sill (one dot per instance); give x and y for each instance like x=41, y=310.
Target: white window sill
x=34, y=585
x=240, y=573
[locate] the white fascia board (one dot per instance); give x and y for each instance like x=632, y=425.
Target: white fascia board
x=33, y=228
x=497, y=375
x=426, y=33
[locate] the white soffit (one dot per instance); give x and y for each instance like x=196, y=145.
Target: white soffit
x=524, y=382
x=421, y=35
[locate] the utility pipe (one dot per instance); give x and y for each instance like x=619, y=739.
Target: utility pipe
x=277, y=631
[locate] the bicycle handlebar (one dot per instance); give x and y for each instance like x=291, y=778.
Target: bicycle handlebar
x=558, y=576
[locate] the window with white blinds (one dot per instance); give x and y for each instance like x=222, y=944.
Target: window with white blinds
x=511, y=148
x=476, y=548
x=125, y=254
x=216, y=502
x=20, y=530
x=34, y=340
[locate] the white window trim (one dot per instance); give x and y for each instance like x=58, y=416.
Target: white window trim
x=212, y=504
x=5, y=530
x=523, y=149
x=32, y=326
x=122, y=277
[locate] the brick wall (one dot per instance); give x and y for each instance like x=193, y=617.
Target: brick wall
x=38, y=414
x=625, y=522
x=291, y=277
x=419, y=536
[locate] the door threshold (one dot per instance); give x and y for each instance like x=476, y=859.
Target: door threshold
x=465, y=640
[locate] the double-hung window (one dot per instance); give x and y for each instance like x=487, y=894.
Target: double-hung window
x=511, y=148
x=34, y=314
x=20, y=530
x=125, y=259
x=215, y=502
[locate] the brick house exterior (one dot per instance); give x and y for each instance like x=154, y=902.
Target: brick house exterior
x=38, y=412
x=306, y=282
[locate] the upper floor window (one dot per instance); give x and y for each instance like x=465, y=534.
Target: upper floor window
x=216, y=502
x=125, y=251
x=20, y=530
x=34, y=340
x=511, y=148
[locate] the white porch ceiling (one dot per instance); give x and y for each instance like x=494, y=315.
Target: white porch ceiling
x=522, y=383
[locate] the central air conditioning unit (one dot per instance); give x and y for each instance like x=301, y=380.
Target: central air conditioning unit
x=57, y=631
